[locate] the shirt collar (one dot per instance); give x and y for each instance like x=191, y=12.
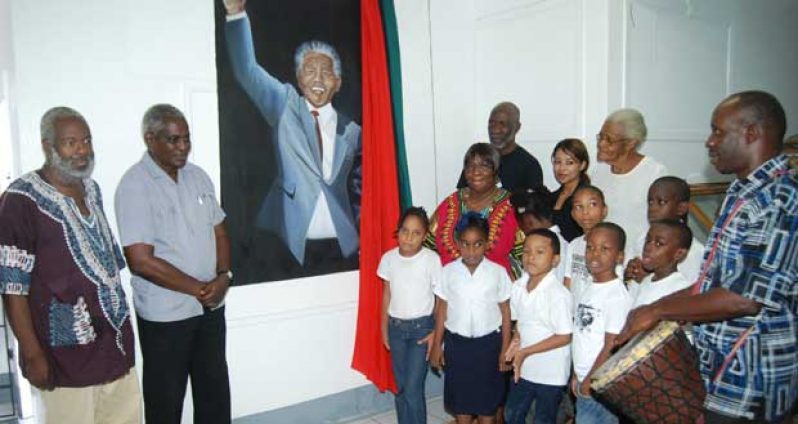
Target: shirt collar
x=156, y=171
x=671, y=276
x=325, y=112
x=464, y=268
x=549, y=280
x=606, y=283
x=765, y=173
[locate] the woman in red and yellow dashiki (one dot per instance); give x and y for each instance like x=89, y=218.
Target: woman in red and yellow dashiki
x=481, y=195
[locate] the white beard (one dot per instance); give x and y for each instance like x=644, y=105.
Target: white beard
x=65, y=169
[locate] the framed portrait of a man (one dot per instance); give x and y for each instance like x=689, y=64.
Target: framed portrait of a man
x=290, y=135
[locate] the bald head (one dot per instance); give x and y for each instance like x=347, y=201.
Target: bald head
x=747, y=131
x=510, y=109
x=503, y=125
x=760, y=109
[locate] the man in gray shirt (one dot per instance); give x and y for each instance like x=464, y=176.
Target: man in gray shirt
x=172, y=230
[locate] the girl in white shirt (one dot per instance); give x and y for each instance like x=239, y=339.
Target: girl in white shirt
x=409, y=273
x=473, y=322
x=541, y=353
x=589, y=209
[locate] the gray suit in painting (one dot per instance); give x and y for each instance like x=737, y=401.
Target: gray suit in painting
x=289, y=205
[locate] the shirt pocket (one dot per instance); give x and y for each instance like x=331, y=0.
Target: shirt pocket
x=199, y=211
x=70, y=323
x=166, y=223
x=207, y=208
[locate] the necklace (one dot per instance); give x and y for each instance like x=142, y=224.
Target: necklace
x=472, y=201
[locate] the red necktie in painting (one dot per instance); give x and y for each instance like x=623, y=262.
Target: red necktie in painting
x=315, y=114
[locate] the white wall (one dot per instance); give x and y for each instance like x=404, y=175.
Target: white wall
x=683, y=57
x=551, y=58
x=566, y=63
x=6, y=60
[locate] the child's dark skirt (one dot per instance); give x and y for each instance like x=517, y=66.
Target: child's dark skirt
x=473, y=384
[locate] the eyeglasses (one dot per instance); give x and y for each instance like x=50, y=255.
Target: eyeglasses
x=604, y=137
x=482, y=168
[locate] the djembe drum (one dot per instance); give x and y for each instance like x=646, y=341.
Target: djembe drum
x=654, y=378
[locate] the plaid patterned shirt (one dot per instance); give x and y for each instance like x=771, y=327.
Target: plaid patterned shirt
x=757, y=257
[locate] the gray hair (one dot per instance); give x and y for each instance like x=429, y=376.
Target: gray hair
x=634, y=126
x=484, y=151
x=53, y=115
x=155, y=118
x=320, y=47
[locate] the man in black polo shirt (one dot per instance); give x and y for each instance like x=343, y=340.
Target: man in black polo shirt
x=518, y=168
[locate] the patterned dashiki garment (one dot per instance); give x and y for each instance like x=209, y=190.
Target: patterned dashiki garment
x=68, y=265
x=505, y=238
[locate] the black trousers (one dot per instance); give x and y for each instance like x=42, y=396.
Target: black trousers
x=173, y=352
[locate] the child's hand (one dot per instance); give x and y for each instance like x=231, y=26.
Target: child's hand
x=635, y=271
x=518, y=360
x=584, y=388
x=428, y=341
x=515, y=345
x=503, y=365
x=436, y=360
x=573, y=385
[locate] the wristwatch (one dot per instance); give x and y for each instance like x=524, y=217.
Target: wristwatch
x=226, y=272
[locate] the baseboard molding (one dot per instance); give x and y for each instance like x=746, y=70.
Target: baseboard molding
x=358, y=403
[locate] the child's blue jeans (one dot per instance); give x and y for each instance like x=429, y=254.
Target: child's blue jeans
x=409, y=366
x=591, y=411
x=521, y=396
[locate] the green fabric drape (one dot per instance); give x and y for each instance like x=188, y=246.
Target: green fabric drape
x=395, y=75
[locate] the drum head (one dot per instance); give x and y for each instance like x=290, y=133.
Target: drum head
x=634, y=351
x=653, y=379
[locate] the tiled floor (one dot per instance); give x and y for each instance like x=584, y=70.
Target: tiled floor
x=435, y=415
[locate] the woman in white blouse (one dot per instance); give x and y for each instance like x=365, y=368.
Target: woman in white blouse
x=624, y=174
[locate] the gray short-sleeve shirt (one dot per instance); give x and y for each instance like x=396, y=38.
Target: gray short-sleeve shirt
x=177, y=219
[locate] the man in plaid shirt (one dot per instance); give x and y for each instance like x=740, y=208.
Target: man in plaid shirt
x=749, y=289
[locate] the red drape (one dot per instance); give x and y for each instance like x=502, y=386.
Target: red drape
x=380, y=201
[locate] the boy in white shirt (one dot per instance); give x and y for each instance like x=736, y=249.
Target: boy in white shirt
x=534, y=208
x=601, y=309
x=667, y=243
x=540, y=355
x=668, y=199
